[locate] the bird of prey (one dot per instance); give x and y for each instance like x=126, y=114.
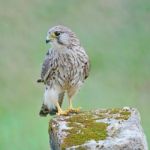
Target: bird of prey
x=64, y=70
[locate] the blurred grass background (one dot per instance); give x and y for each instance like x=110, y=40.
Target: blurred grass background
x=116, y=35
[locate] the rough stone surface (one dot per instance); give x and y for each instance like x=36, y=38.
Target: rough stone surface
x=104, y=129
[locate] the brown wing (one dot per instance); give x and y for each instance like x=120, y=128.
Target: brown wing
x=86, y=69
x=48, y=66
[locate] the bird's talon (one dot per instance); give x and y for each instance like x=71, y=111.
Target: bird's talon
x=64, y=113
x=74, y=110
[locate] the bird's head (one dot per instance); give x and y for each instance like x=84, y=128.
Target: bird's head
x=61, y=36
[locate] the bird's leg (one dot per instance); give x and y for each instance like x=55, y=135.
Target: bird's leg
x=71, y=109
x=60, y=111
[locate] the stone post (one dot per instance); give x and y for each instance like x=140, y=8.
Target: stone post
x=103, y=129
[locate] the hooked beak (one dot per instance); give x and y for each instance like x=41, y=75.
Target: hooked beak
x=50, y=38
x=47, y=41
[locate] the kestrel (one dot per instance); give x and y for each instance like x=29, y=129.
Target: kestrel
x=64, y=70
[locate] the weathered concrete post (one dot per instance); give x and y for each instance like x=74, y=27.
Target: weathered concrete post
x=104, y=129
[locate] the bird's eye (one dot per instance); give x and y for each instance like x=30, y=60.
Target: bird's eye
x=57, y=33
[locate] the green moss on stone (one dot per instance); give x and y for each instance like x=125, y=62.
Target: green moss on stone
x=84, y=128
x=114, y=110
x=125, y=113
x=115, y=113
x=81, y=148
x=123, y=116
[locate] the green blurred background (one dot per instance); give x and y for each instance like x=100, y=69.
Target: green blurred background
x=116, y=35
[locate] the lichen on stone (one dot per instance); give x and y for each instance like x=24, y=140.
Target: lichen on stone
x=83, y=128
x=115, y=113
x=98, y=129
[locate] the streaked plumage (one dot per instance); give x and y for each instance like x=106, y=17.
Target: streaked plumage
x=65, y=67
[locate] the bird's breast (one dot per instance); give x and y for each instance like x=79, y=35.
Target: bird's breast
x=69, y=71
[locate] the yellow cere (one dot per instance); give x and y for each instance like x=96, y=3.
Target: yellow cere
x=53, y=35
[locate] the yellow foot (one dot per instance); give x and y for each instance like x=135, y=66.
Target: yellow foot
x=73, y=110
x=61, y=112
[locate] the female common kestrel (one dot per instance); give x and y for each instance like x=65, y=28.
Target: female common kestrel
x=64, y=69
